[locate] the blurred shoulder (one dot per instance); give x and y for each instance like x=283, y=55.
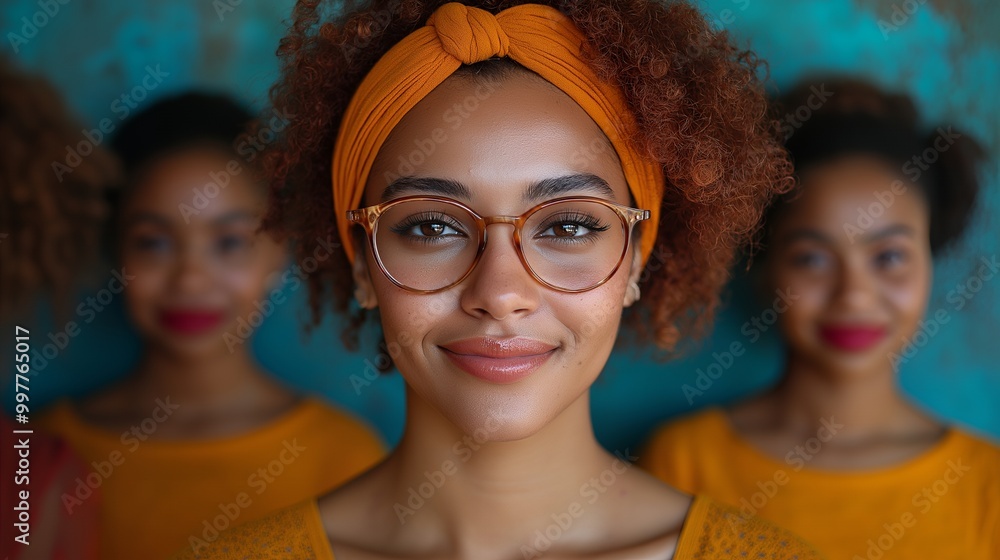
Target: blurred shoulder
x=322, y=415
x=690, y=428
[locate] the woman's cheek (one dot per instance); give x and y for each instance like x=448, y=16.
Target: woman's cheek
x=593, y=318
x=246, y=286
x=806, y=298
x=909, y=300
x=144, y=294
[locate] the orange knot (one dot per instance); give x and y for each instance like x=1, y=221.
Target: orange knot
x=469, y=34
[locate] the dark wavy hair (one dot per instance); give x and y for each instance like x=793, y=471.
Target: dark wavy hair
x=698, y=101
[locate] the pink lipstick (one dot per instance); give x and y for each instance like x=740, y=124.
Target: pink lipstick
x=499, y=360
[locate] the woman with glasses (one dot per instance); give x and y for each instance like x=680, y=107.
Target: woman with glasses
x=501, y=175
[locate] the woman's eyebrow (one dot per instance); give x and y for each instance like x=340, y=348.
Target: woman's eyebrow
x=148, y=218
x=889, y=231
x=806, y=234
x=546, y=188
x=555, y=186
x=236, y=216
x=426, y=185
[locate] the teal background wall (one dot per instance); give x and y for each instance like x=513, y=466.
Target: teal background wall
x=946, y=54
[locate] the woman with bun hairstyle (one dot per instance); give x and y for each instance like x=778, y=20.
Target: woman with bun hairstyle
x=501, y=174
x=198, y=436
x=836, y=451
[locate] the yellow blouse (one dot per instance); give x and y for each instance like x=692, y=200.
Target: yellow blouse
x=158, y=495
x=942, y=504
x=711, y=531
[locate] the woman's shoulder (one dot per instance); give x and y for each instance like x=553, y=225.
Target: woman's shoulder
x=984, y=448
x=708, y=419
x=317, y=414
x=293, y=533
x=715, y=530
x=973, y=453
x=689, y=428
x=684, y=452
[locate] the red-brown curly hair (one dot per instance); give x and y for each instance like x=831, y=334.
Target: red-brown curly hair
x=698, y=101
x=50, y=216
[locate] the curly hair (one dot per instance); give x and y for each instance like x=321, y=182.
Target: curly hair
x=698, y=101
x=50, y=213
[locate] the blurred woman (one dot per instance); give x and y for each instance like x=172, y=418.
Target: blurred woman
x=199, y=436
x=836, y=451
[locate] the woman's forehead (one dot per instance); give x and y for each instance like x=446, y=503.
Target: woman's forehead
x=497, y=137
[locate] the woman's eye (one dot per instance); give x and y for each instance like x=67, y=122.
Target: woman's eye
x=151, y=243
x=566, y=230
x=809, y=260
x=233, y=243
x=429, y=227
x=433, y=229
x=889, y=258
x=572, y=227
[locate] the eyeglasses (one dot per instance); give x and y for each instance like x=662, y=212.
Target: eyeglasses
x=426, y=244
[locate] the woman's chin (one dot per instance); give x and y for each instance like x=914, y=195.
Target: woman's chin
x=498, y=425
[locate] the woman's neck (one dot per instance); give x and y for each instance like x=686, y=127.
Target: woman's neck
x=206, y=377
x=866, y=405
x=208, y=395
x=483, y=496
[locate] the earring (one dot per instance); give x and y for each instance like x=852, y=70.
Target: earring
x=634, y=288
x=364, y=298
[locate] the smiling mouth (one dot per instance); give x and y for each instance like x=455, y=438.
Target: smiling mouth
x=499, y=360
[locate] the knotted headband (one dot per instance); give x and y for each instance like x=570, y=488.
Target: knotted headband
x=537, y=37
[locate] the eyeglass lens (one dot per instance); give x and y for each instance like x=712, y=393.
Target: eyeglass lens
x=429, y=245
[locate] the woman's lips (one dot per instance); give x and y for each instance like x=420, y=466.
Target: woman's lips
x=498, y=360
x=190, y=321
x=851, y=338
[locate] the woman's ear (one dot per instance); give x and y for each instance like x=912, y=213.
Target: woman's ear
x=364, y=290
x=632, y=293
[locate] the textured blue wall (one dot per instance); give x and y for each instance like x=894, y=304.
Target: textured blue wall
x=946, y=55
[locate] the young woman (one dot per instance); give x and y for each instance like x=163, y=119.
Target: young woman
x=199, y=437
x=836, y=451
x=500, y=176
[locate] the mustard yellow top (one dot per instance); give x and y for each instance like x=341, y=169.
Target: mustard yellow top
x=942, y=504
x=158, y=495
x=711, y=531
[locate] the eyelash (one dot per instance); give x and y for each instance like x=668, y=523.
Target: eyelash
x=427, y=217
x=577, y=218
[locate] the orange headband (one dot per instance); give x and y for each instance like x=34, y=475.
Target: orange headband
x=537, y=37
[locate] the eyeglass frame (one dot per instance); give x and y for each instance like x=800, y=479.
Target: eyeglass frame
x=368, y=217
